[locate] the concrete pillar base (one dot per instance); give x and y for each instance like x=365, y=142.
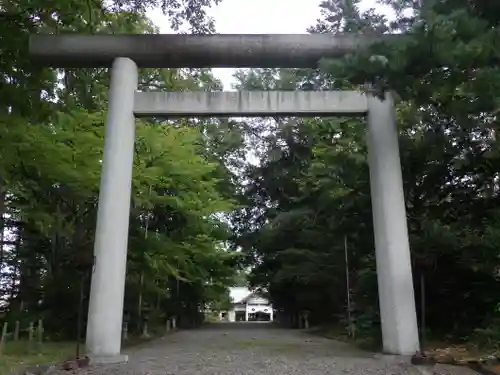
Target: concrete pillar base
x=108, y=359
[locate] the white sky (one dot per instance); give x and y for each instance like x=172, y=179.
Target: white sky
x=259, y=17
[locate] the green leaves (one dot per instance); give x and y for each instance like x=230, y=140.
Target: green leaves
x=51, y=136
x=311, y=220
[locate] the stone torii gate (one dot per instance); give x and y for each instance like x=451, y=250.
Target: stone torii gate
x=125, y=53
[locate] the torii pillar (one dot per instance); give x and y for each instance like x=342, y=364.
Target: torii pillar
x=125, y=52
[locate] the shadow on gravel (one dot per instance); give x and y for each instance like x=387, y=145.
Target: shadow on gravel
x=273, y=340
x=241, y=326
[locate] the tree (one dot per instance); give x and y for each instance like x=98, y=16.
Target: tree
x=311, y=189
x=52, y=138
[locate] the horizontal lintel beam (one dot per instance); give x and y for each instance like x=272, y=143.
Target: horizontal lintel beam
x=196, y=51
x=250, y=103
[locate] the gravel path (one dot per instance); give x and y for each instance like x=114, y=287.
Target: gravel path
x=249, y=349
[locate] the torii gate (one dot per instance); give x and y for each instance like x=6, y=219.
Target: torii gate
x=125, y=53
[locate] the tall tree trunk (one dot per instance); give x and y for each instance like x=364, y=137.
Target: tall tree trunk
x=15, y=271
x=2, y=225
x=139, y=302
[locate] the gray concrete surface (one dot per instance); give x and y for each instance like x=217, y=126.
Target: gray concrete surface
x=248, y=349
x=104, y=328
x=392, y=248
x=196, y=51
x=250, y=103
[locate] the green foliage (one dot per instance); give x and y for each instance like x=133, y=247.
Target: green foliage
x=301, y=215
x=311, y=195
x=25, y=354
x=51, y=135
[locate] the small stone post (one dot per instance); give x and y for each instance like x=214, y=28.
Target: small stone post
x=145, y=320
x=3, y=339
x=125, y=331
x=16, y=331
x=31, y=331
x=40, y=333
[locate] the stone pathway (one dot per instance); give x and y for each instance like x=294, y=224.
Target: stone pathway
x=250, y=349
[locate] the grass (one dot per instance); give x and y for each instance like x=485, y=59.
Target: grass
x=22, y=354
x=339, y=333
